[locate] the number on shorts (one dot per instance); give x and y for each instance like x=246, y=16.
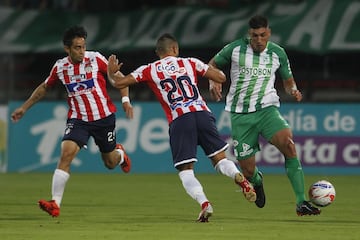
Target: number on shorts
x=111, y=136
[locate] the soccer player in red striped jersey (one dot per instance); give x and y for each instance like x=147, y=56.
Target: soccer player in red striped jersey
x=91, y=111
x=174, y=82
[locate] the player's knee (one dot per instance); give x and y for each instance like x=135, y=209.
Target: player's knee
x=185, y=166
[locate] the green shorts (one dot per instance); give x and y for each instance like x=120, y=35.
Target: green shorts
x=247, y=127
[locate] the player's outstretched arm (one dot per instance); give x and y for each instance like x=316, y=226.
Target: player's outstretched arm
x=36, y=95
x=215, y=87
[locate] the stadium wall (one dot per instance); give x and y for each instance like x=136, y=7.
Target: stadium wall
x=327, y=138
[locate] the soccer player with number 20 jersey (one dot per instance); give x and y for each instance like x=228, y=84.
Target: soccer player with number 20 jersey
x=174, y=82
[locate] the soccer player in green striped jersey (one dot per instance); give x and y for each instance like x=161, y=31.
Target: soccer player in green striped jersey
x=253, y=103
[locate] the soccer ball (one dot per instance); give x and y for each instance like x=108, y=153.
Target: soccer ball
x=322, y=193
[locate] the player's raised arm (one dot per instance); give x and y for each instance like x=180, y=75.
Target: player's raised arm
x=116, y=77
x=113, y=68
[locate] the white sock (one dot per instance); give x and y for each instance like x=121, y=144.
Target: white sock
x=59, y=180
x=227, y=168
x=121, y=155
x=192, y=186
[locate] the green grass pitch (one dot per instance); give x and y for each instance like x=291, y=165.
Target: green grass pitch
x=155, y=206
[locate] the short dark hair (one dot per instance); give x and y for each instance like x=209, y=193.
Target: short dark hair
x=73, y=32
x=258, y=21
x=163, y=43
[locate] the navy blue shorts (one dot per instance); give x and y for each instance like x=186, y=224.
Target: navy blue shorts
x=101, y=130
x=193, y=129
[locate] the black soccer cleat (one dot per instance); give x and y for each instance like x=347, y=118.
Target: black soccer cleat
x=260, y=193
x=305, y=208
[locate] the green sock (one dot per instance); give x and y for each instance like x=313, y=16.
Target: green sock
x=255, y=179
x=296, y=177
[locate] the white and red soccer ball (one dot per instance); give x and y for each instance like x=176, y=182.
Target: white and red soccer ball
x=322, y=193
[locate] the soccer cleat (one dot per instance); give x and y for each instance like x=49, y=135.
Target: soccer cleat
x=246, y=187
x=260, y=193
x=126, y=165
x=305, y=208
x=206, y=212
x=50, y=207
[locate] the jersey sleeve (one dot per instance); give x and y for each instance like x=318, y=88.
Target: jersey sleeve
x=223, y=57
x=284, y=69
x=102, y=62
x=142, y=73
x=53, y=77
x=200, y=66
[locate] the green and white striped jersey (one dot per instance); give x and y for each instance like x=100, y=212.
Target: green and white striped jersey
x=253, y=75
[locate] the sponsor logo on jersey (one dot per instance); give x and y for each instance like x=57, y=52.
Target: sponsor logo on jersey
x=170, y=69
x=266, y=72
x=78, y=88
x=187, y=104
x=77, y=78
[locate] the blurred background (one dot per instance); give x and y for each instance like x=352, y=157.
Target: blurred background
x=321, y=38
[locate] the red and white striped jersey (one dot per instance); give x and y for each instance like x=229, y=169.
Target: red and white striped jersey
x=85, y=83
x=174, y=82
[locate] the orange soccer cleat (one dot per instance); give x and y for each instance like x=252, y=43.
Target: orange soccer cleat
x=50, y=207
x=126, y=165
